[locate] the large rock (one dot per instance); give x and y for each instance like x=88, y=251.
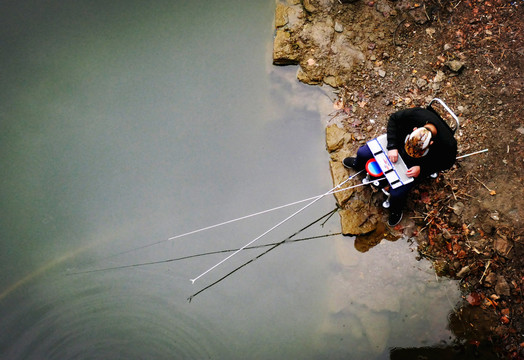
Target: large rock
x=283, y=49
x=291, y=17
x=289, y=20
x=281, y=18
x=339, y=174
x=358, y=218
x=317, y=43
x=309, y=77
x=335, y=138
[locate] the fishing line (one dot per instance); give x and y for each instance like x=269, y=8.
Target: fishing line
x=327, y=219
x=233, y=220
x=260, y=255
x=201, y=254
x=272, y=228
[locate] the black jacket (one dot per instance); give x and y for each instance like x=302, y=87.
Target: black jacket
x=442, y=153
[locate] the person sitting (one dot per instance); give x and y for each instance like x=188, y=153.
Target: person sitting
x=425, y=143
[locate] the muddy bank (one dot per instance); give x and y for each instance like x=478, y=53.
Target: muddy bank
x=382, y=56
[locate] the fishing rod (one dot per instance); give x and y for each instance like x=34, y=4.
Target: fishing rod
x=201, y=254
x=274, y=246
x=274, y=227
x=226, y=222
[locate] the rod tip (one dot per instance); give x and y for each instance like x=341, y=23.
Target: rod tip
x=192, y=281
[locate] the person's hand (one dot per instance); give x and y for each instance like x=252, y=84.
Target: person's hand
x=393, y=155
x=413, y=171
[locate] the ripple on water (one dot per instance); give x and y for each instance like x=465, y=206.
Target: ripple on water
x=75, y=317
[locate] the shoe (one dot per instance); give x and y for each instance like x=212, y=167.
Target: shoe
x=394, y=218
x=350, y=162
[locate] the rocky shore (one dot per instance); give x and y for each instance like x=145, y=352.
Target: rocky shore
x=382, y=56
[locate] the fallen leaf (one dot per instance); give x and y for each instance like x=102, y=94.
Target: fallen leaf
x=474, y=299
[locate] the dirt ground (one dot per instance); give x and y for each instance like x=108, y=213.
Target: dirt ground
x=468, y=222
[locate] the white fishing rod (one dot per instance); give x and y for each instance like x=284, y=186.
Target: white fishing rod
x=277, y=225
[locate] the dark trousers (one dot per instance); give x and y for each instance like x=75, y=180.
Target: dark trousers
x=399, y=195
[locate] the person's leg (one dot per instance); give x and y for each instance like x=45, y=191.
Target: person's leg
x=359, y=162
x=363, y=155
x=397, y=202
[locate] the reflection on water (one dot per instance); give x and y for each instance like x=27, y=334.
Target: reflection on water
x=365, y=242
x=376, y=296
